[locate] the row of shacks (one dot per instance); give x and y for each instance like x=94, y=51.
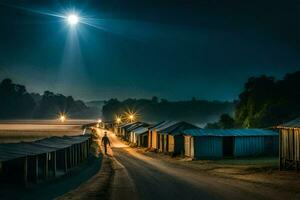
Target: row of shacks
x=182, y=138
x=31, y=162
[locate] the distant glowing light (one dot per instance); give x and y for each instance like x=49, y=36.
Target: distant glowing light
x=118, y=119
x=62, y=118
x=99, y=120
x=73, y=19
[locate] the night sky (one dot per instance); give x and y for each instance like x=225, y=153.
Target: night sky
x=175, y=50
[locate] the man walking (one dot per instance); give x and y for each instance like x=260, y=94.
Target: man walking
x=105, y=142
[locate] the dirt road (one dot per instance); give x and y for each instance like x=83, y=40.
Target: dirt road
x=141, y=177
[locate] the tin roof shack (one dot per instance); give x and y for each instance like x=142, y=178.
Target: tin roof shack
x=153, y=136
x=219, y=143
x=29, y=162
x=289, y=145
x=133, y=126
x=139, y=136
x=171, y=139
x=122, y=129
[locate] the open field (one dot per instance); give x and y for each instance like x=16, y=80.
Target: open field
x=30, y=130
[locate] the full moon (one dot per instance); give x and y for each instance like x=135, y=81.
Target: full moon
x=73, y=19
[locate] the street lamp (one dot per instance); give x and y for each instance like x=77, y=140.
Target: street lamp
x=118, y=120
x=131, y=117
x=62, y=118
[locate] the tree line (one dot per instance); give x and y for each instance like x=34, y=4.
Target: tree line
x=155, y=109
x=17, y=103
x=265, y=102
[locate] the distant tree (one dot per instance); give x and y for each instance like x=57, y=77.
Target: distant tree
x=164, y=101
x=212, y=125
x=192, y=111
x=154, y=100
x=15, y=102
x=266, y=102
x=226, y=121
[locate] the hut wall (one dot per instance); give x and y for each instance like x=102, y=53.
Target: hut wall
x=171, y=143
x=154, y=140
x=255, y=145
x=208, y=147
x=248, y=146
x=290, y=148
x=187, y=146
x=149, y=139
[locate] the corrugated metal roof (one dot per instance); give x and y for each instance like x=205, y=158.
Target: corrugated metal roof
x=157, y=125
x=141, y=130
x=291, y=124
x=10, y=151
x=229, y=132
x=163, y=125
x=127, y=124
x=135, y=126
x=177, y=128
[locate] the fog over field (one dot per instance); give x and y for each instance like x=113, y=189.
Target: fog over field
x=30, y=130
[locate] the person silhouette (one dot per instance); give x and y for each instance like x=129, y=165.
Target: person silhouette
x=105, y=141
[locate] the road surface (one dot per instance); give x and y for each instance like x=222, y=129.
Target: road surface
x=142, y=177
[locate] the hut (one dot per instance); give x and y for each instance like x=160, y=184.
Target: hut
x=139, y=136
x=153, y=136
x=220, y=143
x=29, y=162
x=289, y=145
x=122, y=129
x=171, y=139
x=130, y=128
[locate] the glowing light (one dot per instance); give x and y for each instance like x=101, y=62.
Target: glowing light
x=131, y=117
x=118, y=119
x=62, y=118
x=73, y=19
x=99, y=120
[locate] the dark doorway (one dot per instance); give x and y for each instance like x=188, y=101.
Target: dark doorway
x=178, y=145
x=228, y=143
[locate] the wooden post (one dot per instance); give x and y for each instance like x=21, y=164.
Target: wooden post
x=76, y=154
x=54, y=163
x=79, y=151
x=82, y=151
x=87, y=149
x=280, y=152
x=46, y=166
x=36, y=169
x=25, y=178
x=71, y=157
x=65, y=161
